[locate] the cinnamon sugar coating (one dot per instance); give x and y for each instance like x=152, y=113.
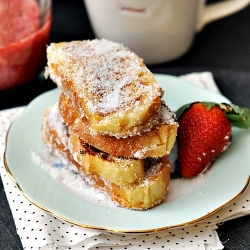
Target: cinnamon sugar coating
x=144, y=193
x=108, y=83
x=156, y=142
x=110, y=121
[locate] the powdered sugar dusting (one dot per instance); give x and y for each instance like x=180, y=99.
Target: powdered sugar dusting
x=138, y=154
x=182, y=187
x=56, y=121
x=111, y=74
x=69, y=177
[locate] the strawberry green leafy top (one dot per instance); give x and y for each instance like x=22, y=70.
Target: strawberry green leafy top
x=238, y=116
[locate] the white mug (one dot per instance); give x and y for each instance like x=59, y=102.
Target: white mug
x=157, y=30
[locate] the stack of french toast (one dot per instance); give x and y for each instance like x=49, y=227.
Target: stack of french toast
x=110, y=121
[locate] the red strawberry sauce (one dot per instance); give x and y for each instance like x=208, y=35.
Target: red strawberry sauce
x=23, y=39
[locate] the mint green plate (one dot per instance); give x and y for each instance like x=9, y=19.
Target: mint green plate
x=228, y=178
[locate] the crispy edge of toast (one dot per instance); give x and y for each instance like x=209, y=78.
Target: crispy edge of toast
x=141, y=196
x=157, y=142
x=61, y=71
x=121, y=171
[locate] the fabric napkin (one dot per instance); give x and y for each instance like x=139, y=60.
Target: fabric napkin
x=40, y=230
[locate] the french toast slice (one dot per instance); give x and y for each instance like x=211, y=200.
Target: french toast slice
x=118, y=170
x=108, y=83
x=140, y=195
x=154, y=143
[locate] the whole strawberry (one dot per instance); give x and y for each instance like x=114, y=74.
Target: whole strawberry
x=204, y=132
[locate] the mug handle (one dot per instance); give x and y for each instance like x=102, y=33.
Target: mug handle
x=214, y=11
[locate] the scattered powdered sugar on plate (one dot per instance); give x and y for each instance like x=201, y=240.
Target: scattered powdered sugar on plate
x=68, y=176
x=182, y=187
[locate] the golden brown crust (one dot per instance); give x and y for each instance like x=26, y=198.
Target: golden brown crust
x=67, y=110
x=111, y=120
x=120, y=171
x=154, y=143
x=108, y=83
x=141, y=195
